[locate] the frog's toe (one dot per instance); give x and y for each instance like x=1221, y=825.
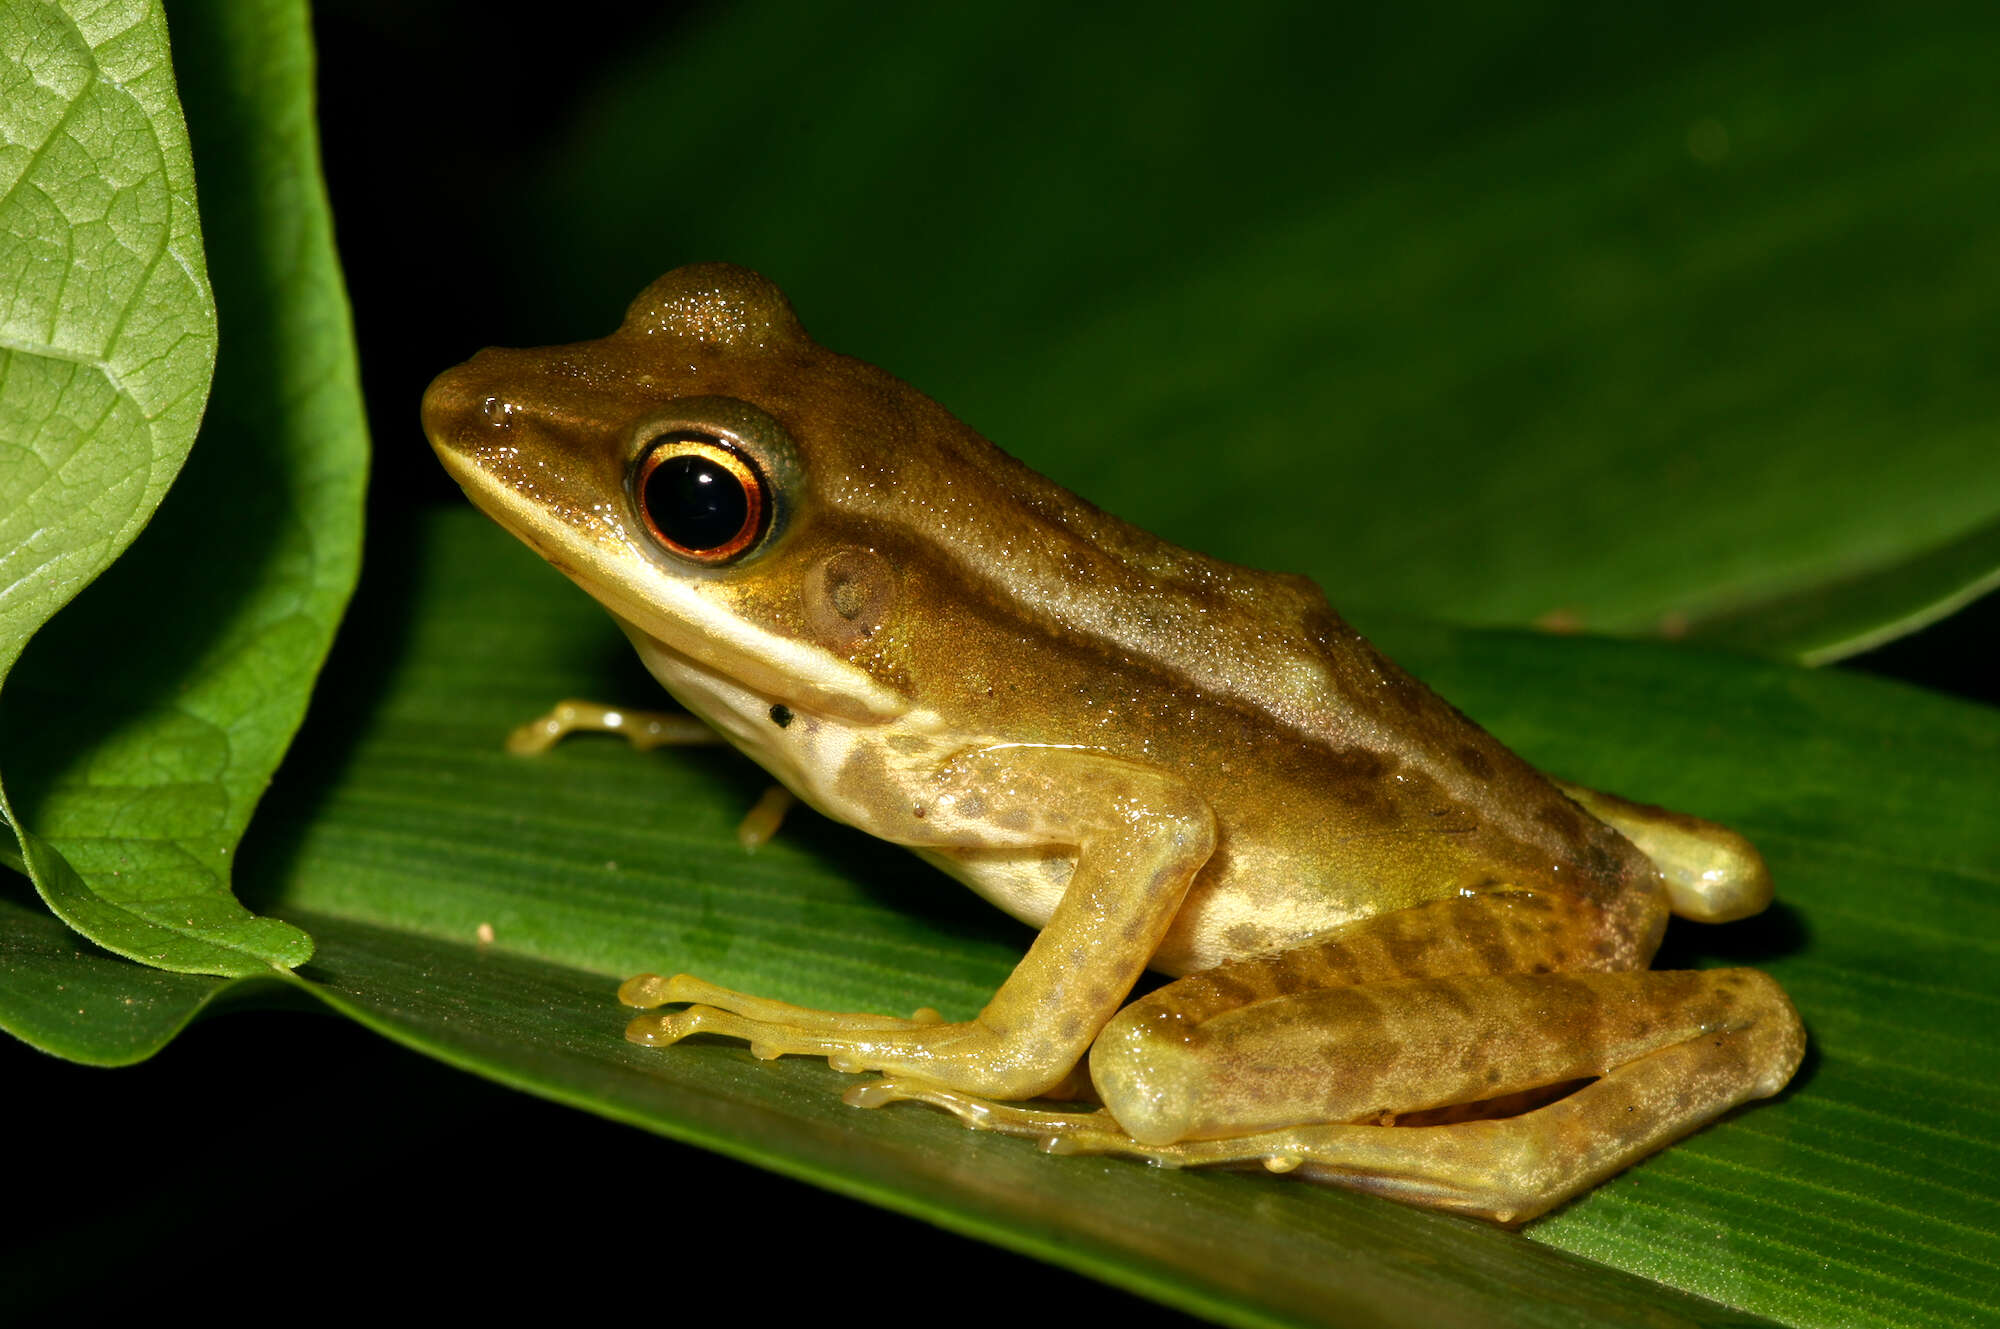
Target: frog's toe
x=645, y=991
x=873, y=1094
x=649, y=990
x=654, y=1031
x=974, y=1112
x=670, y=1027
x=767, y=1042
x=1047, y=1126
x=764, y=818
x=645, y=729
x=758, y=1013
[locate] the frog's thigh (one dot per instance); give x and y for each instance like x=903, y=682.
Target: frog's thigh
x=1285, y=1080
x=1140, y=836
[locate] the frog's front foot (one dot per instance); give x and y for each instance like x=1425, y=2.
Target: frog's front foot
x=965, y=1055
x=771, y=1028
x=645, y=730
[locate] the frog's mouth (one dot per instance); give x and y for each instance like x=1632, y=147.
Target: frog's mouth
x=491, y=495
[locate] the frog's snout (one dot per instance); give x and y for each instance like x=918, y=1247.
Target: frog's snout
x=463, y=406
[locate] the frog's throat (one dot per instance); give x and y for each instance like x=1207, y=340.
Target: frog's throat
x=733, y=703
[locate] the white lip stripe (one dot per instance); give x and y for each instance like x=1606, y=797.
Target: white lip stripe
x=674, y=612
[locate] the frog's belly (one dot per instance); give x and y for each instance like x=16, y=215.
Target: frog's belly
x=1254, y=896
x=1027, y=883
x=1248, y=903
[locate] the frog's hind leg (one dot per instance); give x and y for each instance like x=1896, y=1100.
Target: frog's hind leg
x=1662, y=1054
x=1319, y=1080
x=1355, y=1061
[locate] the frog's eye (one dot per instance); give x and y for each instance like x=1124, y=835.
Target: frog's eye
x=701, y=499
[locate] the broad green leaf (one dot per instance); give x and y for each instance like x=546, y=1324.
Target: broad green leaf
x=107, y=323
x=1241, y=1254
x=143, y=724
x=1622, y=323
x=1860, y=1197
x=1218, y=1245
x=1863, y=1196
x=107, y=326
x=65, y=996
x=1836, y=619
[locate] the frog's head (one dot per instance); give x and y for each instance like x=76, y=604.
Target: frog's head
x=696, y=473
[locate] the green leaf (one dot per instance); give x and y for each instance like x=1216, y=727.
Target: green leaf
x=1840, y=618
x=107, y=326
x=1222, y=1246
x=1863, y=1196
x=1866, y=1195
x=142, y=725
x=65, y=996
x=1624, y=324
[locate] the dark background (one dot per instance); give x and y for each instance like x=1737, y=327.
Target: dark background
x=395, y=1166
x=403, y=1178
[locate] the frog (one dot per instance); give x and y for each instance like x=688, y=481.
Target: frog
x=1393, y=955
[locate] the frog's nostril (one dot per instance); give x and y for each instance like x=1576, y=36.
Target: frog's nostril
x=498, y=412
x=459, y=408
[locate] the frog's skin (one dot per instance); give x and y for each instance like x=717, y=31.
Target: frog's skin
x=1397, y=938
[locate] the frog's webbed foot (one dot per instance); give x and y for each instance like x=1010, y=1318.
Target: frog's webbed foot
x=1077, y=1132
x=924, y=1047
x=646, y=730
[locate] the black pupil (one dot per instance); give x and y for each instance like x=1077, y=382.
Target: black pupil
x=696, y=503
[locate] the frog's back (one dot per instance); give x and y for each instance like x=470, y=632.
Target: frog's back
x=1388, y=794
x=1382, y=753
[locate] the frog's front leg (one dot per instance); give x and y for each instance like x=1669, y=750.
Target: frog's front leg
x=646, y=730
x=1140, y=835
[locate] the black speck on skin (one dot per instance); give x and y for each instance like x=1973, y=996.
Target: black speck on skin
x=781, y=716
